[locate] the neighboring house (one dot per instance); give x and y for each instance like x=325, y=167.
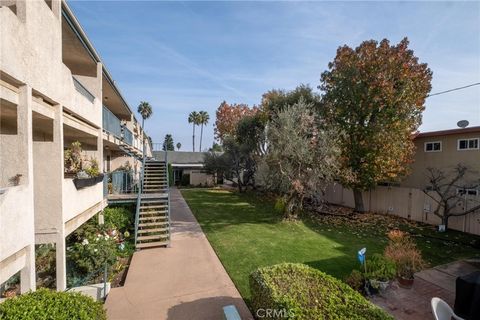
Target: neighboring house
x=444, y=150
x=54, y=90
x=186, y=163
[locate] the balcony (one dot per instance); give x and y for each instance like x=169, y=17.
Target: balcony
x=111, y=123
x=127, y=136
x=83, y=91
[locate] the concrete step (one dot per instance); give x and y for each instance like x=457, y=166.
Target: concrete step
x=159, y=213
x=152, y=224
x=151, y=230
x=152, y=237
x=153, y=218
x=153, y=207
x=151, y=244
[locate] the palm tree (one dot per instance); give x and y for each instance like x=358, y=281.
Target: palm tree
x=193, y=118
x=179, y=145
x=202, y=120
x=145, y=110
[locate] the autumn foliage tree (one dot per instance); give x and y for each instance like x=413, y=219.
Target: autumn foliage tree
x=227, y=118
x=375, y=94
x=274, y=101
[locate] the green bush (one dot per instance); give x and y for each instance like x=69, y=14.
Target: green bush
x=185, y=179
x=296, y=291
x=119, y=218
x=280, y=205
x=47, y=304
x=170, y=175
x=380, y=268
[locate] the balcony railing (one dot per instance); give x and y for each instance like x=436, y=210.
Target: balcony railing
x=111, y=123
x=120, y=182
x=83, y=91
x=127, y=136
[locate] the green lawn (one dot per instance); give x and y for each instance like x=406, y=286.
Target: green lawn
x=246, y=234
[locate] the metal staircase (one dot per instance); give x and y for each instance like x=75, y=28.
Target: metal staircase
x=152, y=220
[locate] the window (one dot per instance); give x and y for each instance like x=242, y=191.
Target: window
x=469, y=192
x=468, y=144
x=434, y=146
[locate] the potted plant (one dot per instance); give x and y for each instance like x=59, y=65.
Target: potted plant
x=408, y=260
x=88, y=176
x=73, y=161
x=380, y=270
x=376, y=276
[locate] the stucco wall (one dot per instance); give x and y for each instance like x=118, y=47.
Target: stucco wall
x=447, y=159
x=200, y=178
x=16, y=214
x=75, y=201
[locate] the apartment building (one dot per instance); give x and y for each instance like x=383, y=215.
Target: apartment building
x=54, y=90
x=444, y=150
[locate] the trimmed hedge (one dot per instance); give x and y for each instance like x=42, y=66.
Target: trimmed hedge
x=45, y=304
x=297, y=291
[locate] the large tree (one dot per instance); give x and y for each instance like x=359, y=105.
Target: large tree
x=203, y=119
x=449, y=188
x=179, y=145
x=275, y=100
x=227, y=118
x=302, y=155
x=374, y=95
x=193, y=118
x=168, y=143
x=145, y=110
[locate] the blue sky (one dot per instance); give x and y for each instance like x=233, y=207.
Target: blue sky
x=185, y=56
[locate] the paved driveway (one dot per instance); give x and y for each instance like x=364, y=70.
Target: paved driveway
x=186, y=281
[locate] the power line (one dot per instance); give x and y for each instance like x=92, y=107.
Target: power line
x=454, y=89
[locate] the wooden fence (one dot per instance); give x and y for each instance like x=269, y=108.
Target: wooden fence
x=409, y=203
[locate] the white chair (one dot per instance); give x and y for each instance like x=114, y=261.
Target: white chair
x=442, y=311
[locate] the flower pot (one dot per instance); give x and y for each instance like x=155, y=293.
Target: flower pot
x=405, y=283
x=87, y=182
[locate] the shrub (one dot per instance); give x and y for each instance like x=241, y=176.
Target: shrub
x=403, y=251
x=119, y=218
x=356, y=280
x=380, y=268
x=185, y=179
x=296, y=291
x=94, y=251
x=170, y=175
x=280, y=204
x=48, y=304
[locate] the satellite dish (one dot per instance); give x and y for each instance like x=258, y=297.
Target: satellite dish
x=462, y=123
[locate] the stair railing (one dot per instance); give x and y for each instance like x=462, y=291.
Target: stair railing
x=168, y=196
x=139, y=196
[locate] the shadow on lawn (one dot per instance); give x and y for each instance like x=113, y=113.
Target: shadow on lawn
x=216, y=210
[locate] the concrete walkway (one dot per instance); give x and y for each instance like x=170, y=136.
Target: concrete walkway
x=186, y=281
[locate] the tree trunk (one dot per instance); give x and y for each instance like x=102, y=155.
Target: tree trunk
x=201, y=136
x=193, y=138
x=445, y=221
x=357, y=195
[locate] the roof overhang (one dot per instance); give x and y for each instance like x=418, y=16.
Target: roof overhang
x=447, y=132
